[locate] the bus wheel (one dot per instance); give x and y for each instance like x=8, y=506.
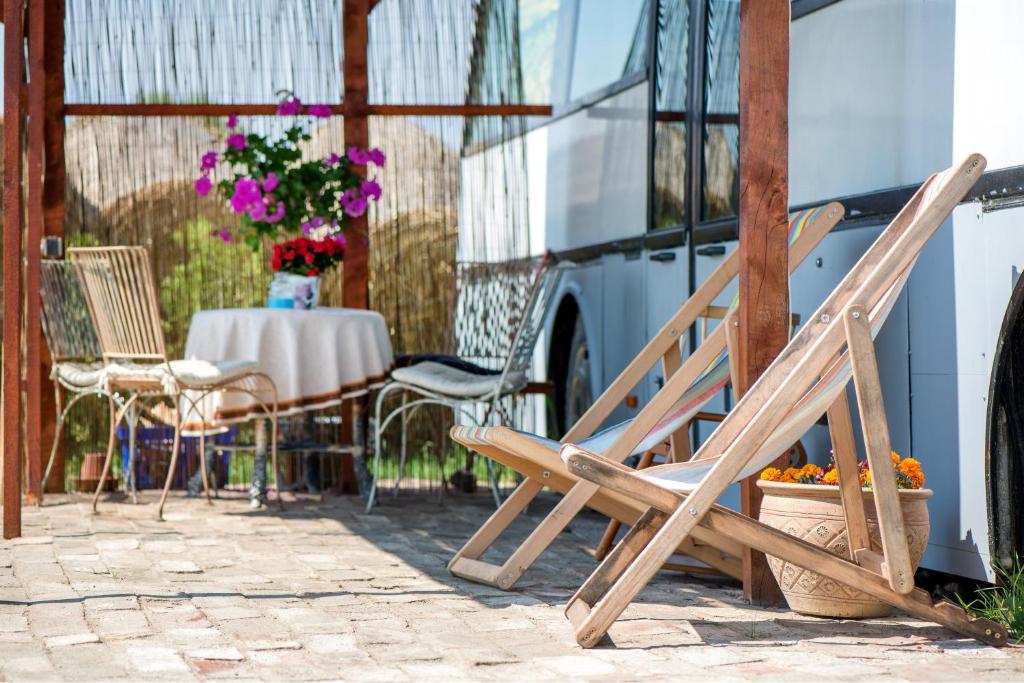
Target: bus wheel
x=578, y=389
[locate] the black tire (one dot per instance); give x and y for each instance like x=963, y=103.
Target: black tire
x=578, y=391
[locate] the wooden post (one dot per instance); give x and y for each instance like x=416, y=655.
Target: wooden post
x=14, y=69
x=763, y=223
x=33, y=236
x=53, y=198
x=355, y=288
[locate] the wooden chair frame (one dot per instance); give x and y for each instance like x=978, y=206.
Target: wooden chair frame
x=121, y=295
x=841, y=326
x=665, y=348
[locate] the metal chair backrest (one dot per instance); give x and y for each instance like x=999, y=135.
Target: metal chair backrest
x=67, y=325
x=119, y=287
x=542, y=297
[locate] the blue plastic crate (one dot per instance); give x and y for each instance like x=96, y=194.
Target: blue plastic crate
x=153, y=454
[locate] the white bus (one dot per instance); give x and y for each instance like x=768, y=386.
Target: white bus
x=635, y=178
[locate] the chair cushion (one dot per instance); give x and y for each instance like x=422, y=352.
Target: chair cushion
x=83, y=375
x=188, y=373
x=443, y=379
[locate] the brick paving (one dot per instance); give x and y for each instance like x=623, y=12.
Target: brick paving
x=323, y=591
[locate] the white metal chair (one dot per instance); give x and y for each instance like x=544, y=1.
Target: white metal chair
x=466, y=392
x=77, y=368
x=121, y=296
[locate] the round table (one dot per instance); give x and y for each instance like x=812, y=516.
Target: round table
x=316, y=358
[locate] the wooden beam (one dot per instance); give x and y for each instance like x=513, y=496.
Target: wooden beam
x=53, y=195
x=14, y=70
x=357, y=133
x=85, y=109
x=33, y=235
x=763, y=224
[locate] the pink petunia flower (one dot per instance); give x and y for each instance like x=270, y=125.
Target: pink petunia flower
x=377, y=157
x=237, y=141
x=289, y=106
x=356, y=207
x=208, y=161
x=277, y=215
x=203, y=185
x=358, y=156
x=371, y=189
x=320, y=111
x=246, y=195
x=232, y=121
x=270, y=182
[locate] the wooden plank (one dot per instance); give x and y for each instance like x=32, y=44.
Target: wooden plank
x=14, y=68
x=140, y=109
x=844, y=453
x=763, y=225
x=875, y=426
x=53, y=196
x=33, y=269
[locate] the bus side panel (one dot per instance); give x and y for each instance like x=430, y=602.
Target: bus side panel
x=597, y=172
x=871, y=96
x=624, y=330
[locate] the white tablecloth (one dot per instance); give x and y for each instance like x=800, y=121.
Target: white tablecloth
x=316, y=358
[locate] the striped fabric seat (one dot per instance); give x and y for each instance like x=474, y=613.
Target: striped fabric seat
x=712, y=380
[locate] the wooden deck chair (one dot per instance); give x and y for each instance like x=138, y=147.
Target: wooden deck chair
x=121, y=295
x=666, y=416
x=808, y=379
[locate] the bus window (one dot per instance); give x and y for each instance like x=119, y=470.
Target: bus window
x=670, y=114
x=611, y=43
x=721, y=124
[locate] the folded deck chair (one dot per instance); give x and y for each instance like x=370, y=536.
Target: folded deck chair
x=463, y=386
x=808, y=379
x=688, y=387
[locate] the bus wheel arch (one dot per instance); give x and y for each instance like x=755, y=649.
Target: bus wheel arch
x=569, y=366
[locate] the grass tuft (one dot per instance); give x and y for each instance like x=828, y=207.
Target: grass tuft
x=1002, y=603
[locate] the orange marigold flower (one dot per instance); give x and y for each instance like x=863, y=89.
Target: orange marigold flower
x=791, y=475
x=895, y=458
x=771, y=474
x=831, y=478
x=912, y=469
x=865, y=478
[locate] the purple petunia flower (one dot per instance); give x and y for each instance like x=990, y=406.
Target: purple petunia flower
x=358, y=156
x=232, y=121
x=224, y=235
x=246, y=195
x=377, y=157
x=371, y=189
x=320, y=111
x=208, y=161
x=237, y=141
x=203, y=185
x=270, y=182
x=289, y=106
x=332, y=160
x=340, y=239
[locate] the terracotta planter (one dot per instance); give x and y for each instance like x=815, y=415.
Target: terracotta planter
x=815, y=514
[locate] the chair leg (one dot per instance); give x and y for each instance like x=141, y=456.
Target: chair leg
x=170, y=469
x=273, y=458
x=608, y=539
x=202, y=464
x=403, y=447
x=133, y=424
x=115, y=417
x=56, y=440
x=378, y=430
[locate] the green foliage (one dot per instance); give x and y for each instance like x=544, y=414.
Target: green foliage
x=1004, y=602
x=216, y=275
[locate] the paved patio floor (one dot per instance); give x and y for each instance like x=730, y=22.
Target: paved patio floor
x=323, y=591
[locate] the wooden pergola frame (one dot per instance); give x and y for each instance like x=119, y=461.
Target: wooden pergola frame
x=764, y=304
